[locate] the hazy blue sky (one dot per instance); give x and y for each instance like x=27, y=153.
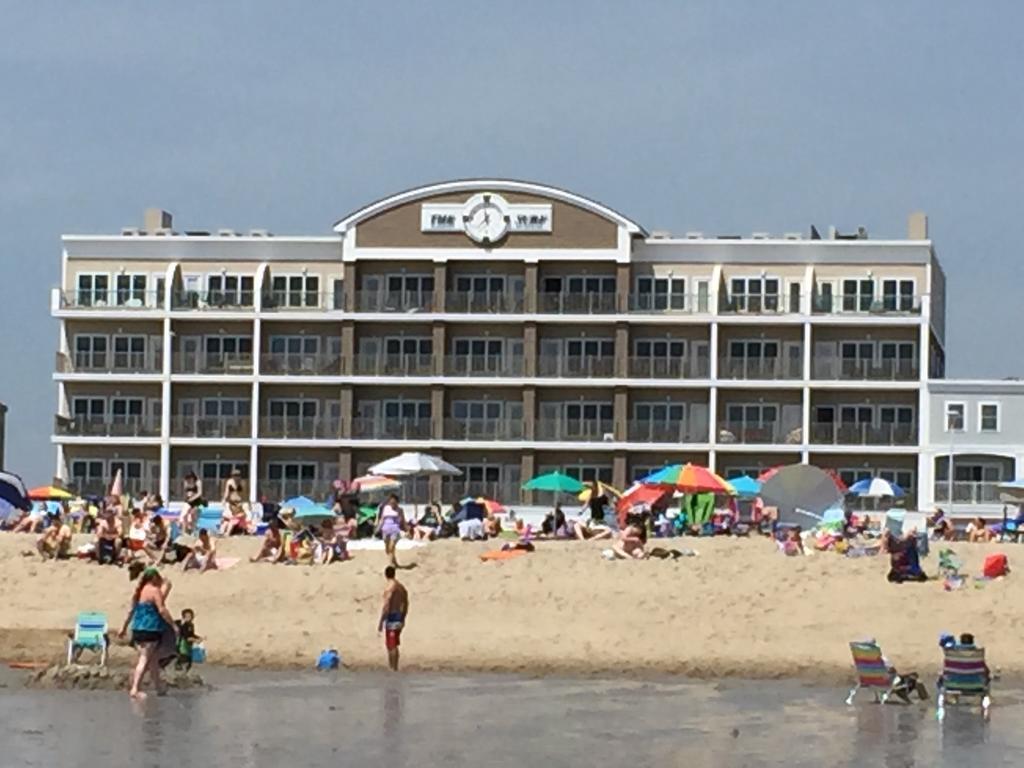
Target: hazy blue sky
x=718, y=116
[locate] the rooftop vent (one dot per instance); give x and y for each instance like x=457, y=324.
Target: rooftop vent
x=130, y=231
x=761, y=235
x=197, y=233
x=661, y=234
x=226, y=233
x=730, y=237
x=793, y=236
x=163, y=231
x=694, y=235
x=259, y=233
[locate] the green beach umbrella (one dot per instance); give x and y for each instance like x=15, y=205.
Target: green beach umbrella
x=554, y=481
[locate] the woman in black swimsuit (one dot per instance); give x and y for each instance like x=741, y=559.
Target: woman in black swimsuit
x=194, y=499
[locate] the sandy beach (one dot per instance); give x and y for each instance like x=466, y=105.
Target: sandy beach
x=738, y=609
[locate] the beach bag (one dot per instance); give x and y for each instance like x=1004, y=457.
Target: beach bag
x=328, y=659
x=198, y=654
x=995, y=566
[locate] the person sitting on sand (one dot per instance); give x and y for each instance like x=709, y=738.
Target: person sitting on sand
x=330, y=545
x=592, y=531
x=157, y=539
x=108, y=537
x=272, y=549
x=55, y=543
x=203, y=555
x=138, y=531
x=977, y=532
x=793, y=543
x=554, y=524
x=33, y=521
x=632, y=541
x=492, y=526
x=427, y=526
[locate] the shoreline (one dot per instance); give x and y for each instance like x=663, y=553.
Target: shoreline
x=737, y=611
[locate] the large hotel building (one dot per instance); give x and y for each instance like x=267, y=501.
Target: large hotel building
x=513, y=328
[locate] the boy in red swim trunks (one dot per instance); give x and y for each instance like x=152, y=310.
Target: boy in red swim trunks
x=393, y=614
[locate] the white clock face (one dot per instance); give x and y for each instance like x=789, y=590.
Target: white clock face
x=485, y=219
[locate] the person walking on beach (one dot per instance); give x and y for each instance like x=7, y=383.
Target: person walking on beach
x=149, y=620
x=393, y=613
x=389, y=524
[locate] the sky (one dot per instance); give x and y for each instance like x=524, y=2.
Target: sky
x=718, y=116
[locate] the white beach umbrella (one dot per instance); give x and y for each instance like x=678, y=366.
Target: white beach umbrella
x=412, y=464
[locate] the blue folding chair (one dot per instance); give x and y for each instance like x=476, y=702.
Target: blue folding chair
x=91, y=634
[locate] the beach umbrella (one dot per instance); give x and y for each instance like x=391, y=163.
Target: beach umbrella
x=689, y=478
x=375, y=484
x=554, y=481
x=603, y=489
x=802, y=493
x=745, y=486
x=640, y=496
x=411, y=464
x=117, y=487
x=876, y=488
x=307, y=511
x=49, y=493
x=768, y=474
x=12, y=490
x=1011, y=492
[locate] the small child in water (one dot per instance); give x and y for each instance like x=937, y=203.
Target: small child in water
x=186, y=639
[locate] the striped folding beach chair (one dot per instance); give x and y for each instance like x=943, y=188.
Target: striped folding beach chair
x=872, y=672
x=964, y=675
x=90, y=634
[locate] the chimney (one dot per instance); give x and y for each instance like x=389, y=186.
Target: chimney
x=917, y=226
x=154, y=219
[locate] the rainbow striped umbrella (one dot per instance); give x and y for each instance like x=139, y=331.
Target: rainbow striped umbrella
x=372, y=483
x=689, y=478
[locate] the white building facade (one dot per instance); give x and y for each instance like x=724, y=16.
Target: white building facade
x=513, y=328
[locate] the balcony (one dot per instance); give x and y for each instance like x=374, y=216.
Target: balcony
x=484, y=365
x=664, y=303
x=484, y=303
x=577, y=303
x=593, y=431
x=759, y=304
x=107, y=426
x=107, y=300
x=773, y=433
x=483, y=429
x=302, y=301
x=91, y=488
x=760, y=368
x=282, y=488
x=221, y=301
x=211, y=426
x=111, y=362
x=651, y=431
x=506, y=491
x=190, y=362
x=669, y=368
x=285, y=363
x=394, y=301
x=394, y=365
x=300, y=427
x=852, y=304
x=576, y=366
x=863, y=434
x=857, y=370
x=391, y=429
x=968, y=492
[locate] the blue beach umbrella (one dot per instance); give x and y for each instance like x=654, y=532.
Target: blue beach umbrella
x=746, y=487
x=876, y=488
x=307, y=511
x=13, y=491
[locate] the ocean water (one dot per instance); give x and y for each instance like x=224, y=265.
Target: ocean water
x=429, y=721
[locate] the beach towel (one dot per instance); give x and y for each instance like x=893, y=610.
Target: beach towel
x=375, y=545
x=503, y=554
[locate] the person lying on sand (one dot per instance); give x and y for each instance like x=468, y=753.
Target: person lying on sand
x=33, y=521
x=592, y=531
x=271, y=550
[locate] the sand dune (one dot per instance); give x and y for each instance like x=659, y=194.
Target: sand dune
x=737, y=609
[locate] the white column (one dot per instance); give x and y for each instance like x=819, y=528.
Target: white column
x=925, y=480
x=254, y=434
x=253, y=472
x=165, y=415
x=805, y=418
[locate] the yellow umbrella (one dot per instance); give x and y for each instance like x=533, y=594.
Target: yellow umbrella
x=603, y=489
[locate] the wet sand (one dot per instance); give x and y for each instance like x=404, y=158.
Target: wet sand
x=739, y=609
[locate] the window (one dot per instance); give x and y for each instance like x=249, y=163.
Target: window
x=579, y=285
x=480, y=348
x=221, y=349
x=904, y=478
x=86, y=473
x=858, y=295
x=662, y=414
x=126, y=410
x=590, y=348
x=956, y=417
x=754, y=350
x=659, y=349
x=754, y=415
x=131, y=290
x=858, y=358
x=409, y=346
x=480, y=286
x=292, y=409
x=216, y=471
x=581, y=415
x=407, y=410
x=411, y=289
x=898, y=358
x=898, y=295
x=292, y=478
x=661, y=293
x=292, y=350
x=754, y=294
x=130, y=352
x=587, y=473
x=90, y=352
x=231, y=290
x=89, y=409
x=988, y=417
x=93, y=290
x=295, y=290
x=226, y=407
